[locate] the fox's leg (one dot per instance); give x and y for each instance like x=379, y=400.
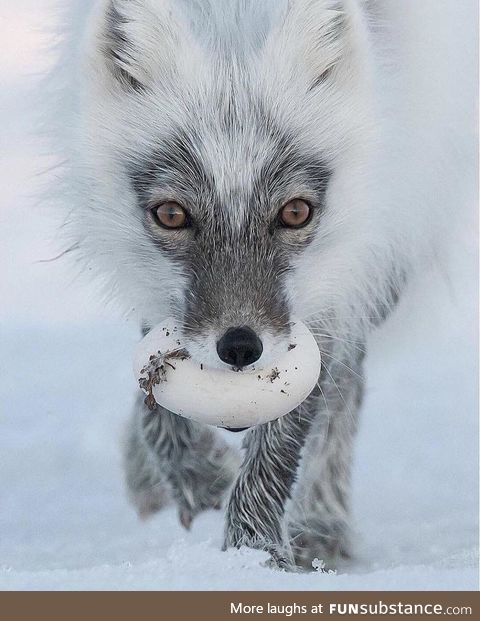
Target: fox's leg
x=170, y=458
x=256, y=509
x=319, y=515
x=147, y=485
x=257, y=506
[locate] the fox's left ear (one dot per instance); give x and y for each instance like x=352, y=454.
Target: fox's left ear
x=315, y=37
x=140, y=41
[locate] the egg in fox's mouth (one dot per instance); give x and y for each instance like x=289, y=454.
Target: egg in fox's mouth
x=225, y=397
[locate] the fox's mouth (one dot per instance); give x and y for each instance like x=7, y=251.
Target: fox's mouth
x=236, y=429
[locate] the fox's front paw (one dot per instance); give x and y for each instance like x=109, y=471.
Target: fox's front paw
x=244, y=529
x=280, y=556
x=149, y=500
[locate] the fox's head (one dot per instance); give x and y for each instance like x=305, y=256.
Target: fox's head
x=220, y=155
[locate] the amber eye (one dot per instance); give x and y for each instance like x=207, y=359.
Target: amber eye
x=295, y=214
x=170, y=215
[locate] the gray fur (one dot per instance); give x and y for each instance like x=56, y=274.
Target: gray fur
x=169, y=457
x=256, y=511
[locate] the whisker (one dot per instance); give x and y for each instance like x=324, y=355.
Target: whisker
x=329, y=415
x=59, y=256
x=340, y=339
x=323, y=353
x=350, y=413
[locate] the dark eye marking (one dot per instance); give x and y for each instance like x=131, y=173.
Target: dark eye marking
x=289, y=169
x=175, y=163
x=176, y=168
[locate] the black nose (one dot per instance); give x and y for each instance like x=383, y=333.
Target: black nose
x=239, y=347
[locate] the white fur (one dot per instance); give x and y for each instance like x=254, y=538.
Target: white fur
x=391, y=123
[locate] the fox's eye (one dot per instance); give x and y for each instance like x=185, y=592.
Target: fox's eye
x=295, y=214
x=170, y=215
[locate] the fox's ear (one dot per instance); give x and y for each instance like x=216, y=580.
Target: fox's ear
x=314, y=37
x=140, y=41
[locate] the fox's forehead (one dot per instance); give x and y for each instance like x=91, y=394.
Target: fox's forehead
x=227, y=154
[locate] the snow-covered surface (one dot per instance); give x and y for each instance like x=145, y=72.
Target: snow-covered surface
x=66, y=388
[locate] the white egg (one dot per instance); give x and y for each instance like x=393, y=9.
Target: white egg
x=225, y=397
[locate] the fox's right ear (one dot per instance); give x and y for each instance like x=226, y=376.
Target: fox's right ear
x=140, y=41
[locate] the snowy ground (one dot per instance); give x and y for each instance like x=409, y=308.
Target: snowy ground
x=64, y=519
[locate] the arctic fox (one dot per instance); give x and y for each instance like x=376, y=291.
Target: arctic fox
x=234, y=163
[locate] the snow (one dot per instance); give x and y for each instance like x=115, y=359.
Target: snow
x=65, y=522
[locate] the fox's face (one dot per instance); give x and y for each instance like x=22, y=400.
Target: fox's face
x=223, y=179
x=231, y=202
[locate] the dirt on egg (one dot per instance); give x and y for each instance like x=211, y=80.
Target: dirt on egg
x=156, y=372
